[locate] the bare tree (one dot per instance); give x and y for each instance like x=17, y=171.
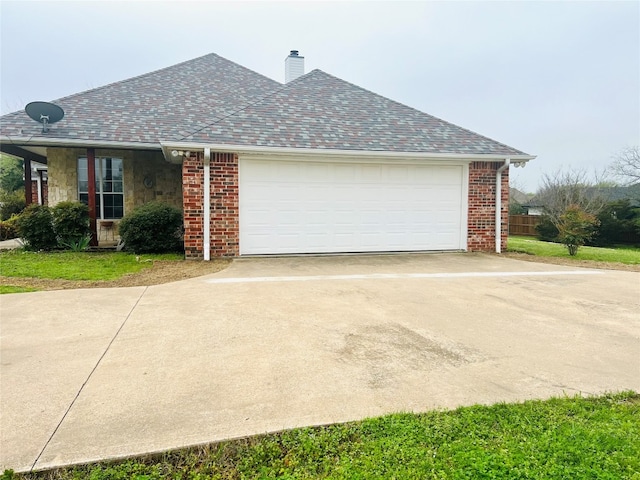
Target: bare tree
x=572, y=188
x=627, y=165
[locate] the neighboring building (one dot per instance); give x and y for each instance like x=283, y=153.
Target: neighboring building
x=316, y=165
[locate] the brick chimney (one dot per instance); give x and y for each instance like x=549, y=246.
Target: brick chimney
x=293, y=66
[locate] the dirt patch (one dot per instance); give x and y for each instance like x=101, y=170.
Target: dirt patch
x=572, y=263
x=162, y=271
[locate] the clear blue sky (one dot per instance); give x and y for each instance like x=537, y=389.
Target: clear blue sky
x=560, y=80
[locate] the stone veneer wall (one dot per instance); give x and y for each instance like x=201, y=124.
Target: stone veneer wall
x=224, y=225
x=481, y=220
x=166, y=184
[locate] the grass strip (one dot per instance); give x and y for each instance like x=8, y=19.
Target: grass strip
x=14, y=289
x=577, y=438
x=624, y=254
x=75, y=265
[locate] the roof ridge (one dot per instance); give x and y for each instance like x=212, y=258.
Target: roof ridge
x=412, y=108
x=148, y=74
x=257, y=101
x=137, y=77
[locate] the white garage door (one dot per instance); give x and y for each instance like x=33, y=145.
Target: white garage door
x=318, y=207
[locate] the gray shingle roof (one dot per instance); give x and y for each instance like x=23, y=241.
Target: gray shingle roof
x=165, y=104
x=213, y=100
x=319, y=110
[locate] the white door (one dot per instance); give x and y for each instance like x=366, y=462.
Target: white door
x=325, y=207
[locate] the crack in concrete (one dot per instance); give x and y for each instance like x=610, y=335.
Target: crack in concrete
x=33, y=466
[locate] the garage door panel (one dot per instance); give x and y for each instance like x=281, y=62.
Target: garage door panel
x=313, y=207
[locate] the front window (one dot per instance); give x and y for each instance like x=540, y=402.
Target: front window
x=109, y=186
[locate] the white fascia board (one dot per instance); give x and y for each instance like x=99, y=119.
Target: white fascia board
x=193, y=147
x=74, y=143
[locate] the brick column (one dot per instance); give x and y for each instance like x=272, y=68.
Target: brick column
x=224, y=205
x=192, y=200
x=481, y=223
x=225, y=214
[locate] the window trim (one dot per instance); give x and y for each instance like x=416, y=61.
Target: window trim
x=100, y=179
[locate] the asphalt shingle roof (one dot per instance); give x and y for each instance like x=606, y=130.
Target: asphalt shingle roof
x=213, y=100
x=165, y=104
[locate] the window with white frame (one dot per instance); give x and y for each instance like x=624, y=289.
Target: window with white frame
x=109, y=186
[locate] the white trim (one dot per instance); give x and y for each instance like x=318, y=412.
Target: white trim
x=464, y=209
x=243, y=149
x=76, y=143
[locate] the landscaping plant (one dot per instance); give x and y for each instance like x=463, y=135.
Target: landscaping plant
x=576, y=227
x=11, y=203
x=71, y=223
x=152, y=228
x=35, y=227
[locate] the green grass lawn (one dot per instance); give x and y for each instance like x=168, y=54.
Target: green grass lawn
x=12, y=289
x=562, y=438
x=75, y=265
x=532, y=246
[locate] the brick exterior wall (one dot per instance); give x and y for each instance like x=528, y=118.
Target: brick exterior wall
x=225, y=215
x=34, y=192
x=481, y=220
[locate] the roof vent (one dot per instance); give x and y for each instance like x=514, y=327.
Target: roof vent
x=293, y=66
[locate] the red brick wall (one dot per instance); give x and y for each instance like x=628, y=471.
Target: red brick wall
x=192, y=199
x=481, y=220
x=34, y=192
x=224, y=205
x=225, y=214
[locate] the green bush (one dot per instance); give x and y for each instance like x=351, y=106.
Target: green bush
x=70, y=222
x=152, y=228
x=35, y=227
x=11, y=203
x=547, y=231
x=8, y=228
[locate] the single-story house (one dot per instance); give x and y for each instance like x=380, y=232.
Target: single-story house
x=314, y=165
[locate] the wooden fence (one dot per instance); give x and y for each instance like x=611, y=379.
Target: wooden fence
x=523, y=224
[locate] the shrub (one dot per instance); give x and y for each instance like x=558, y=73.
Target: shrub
x=8, y=228
x=11, y=203
x=547, y=231
x=70, y=222
x=35, y=227
x=618, y=224
x=152, y=228
x=576, y=227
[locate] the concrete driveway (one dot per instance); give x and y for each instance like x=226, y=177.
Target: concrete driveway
x=274, y=343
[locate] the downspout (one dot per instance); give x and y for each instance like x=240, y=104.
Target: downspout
x=207, y=204
x=507, y=161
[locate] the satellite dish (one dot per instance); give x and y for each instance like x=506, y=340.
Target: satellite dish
x=45, y=113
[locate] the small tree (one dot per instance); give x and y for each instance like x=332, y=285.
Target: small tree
x=564, y=191
x=576, y=227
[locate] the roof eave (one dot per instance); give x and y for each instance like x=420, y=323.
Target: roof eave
x=172, y=152
x=77, y=143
